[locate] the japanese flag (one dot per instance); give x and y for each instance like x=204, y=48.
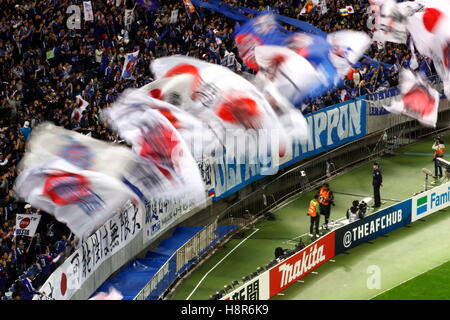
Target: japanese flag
x=430, y=31
x=82, y=104
x=129, y=63
x=76, y=178
x=171, y=96
x=82, y=199
x=230, y=104
x=158, y=144
x=290, y=73
x=417, y=99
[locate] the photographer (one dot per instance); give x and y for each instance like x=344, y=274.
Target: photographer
x=357, y=211
x=439, y=150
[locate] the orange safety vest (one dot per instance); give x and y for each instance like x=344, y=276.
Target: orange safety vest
x=439, y=152
x=312, y=211
x=324, y=194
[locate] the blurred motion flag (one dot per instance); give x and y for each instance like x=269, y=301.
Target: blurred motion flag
x=347, y=47
x=430, y=31
x=290, y=73
x=82, y=104
x=322, y=6
x=350, y=9
x=309, y=6
x=50, y=54
x=88, y=12
x=151, y=5
x=113, y=294
x=128, y=65
x=262, y=30
x=224, y=100
x=390, y=22
x=343, y=12
x=156, y=141
x=417, y=99
x=231, y=98
x=74, y=177
x=82, y=199
x=171, y=96
x=190, y=8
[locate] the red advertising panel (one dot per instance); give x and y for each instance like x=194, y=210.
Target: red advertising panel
x=301, y=263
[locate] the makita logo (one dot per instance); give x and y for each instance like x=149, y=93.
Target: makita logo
x=311, y=257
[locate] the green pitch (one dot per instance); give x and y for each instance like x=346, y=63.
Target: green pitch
x=396, y=259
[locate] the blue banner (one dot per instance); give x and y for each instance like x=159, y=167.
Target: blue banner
x=373, y=226
x=329, y=128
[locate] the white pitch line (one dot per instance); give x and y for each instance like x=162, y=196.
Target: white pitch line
x=201, y=280
x=407, y=280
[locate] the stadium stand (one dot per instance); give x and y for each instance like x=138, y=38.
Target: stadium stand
x=44, y=66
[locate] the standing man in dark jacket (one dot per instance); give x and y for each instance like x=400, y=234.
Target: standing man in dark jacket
x=377, y=182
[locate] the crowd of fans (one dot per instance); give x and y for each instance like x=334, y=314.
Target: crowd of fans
x=44, y=66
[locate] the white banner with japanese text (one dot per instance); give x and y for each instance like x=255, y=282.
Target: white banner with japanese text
x=100, y=246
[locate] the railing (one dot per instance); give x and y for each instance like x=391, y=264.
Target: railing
x=191, y=251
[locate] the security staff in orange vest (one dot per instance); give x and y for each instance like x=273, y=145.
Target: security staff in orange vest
x=326, y=198
x=439, y=150
x=313, y=212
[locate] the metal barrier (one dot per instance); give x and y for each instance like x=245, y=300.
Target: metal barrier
x=191, y=251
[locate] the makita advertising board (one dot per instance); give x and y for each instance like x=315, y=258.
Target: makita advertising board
x=373, y=226
x=255, y=289
x=300, y=264
x=430, y=201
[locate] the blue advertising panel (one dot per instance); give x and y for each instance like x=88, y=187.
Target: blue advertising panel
x=373, y=226
x=328, y=128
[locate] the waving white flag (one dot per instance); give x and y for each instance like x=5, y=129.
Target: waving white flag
x=417, y=99
x=430, y=31
x=227, y=102
x=157, y=142
x=76, y=178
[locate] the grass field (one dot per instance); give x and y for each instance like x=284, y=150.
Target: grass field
x=431, y=285
x=401, y=256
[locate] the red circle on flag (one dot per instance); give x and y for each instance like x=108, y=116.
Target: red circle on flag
x=431, y=18
x=25, y=222
x=66, y=188
x=63, y=284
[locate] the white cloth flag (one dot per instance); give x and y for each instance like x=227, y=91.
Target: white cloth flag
x=76, y=178
x=390, y=22
x=348, y=47
x=112, y=294
x=49, y=141
x=168, y=96
x=417, y=99
x=77, y=113
x=227, y=102
x=128, y=65
x=233, y=99
x=88, y=12
x=26, y=224
x=174, y=16
x=413, y=63
x=430, y=31
x=82, y=199
x=158, y=143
